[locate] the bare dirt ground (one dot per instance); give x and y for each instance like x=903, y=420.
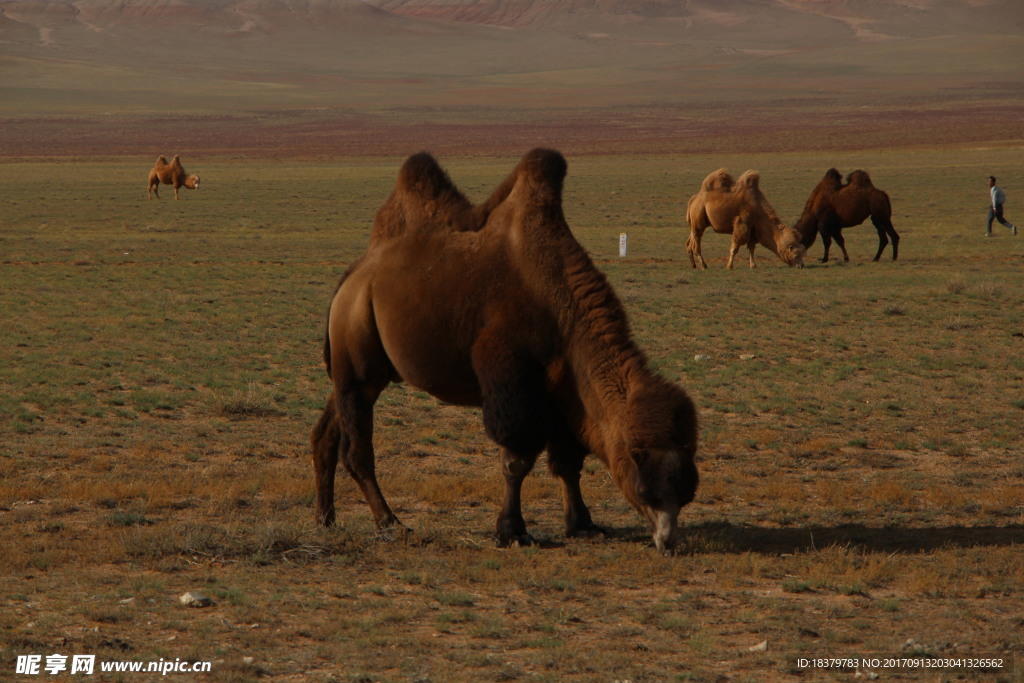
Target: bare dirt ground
x=749, y=127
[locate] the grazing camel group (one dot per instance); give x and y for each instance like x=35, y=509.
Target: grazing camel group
x=738, y=208
x=496, y=305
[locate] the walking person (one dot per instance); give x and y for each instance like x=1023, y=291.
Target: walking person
x=995, y=209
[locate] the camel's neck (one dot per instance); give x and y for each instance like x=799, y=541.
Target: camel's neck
x=776, y=238
x=600, y=363
x=807, y=228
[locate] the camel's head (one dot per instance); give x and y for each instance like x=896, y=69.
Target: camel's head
x=659, y=476
x=192, y=182
x=667, y=481
x=789, y=246
x=793, y=254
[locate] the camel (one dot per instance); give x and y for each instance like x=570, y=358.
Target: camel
x=740, y=208
x=170, y=174
x=833, y=206
x=498, y=306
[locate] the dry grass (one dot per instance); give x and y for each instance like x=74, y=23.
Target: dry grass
x=861, y=484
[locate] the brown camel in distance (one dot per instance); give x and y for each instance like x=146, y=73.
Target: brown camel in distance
x=738, y=207
x=173, y=174
x=498, y=306
x=833, y=206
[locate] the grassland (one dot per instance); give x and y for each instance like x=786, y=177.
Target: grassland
x=862, y=489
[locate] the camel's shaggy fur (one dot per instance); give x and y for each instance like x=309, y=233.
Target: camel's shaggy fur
x=738, y=207
x=170, y=174
x=497, y=305
x=833, y=206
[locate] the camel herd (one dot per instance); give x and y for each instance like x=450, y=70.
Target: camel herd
x=496, y=305
x=735, y=207
x=739, y=208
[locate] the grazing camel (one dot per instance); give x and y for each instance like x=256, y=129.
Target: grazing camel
x=741, y=209
x=833, y=206
x=170, y=174
x=498, y=306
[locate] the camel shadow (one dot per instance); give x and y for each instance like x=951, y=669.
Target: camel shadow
x=732, y=538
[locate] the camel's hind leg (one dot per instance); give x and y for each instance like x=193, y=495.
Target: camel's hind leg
x=693, y=248
x=355, y=415
x=327, y=444
x=697, y=219
x=361, y=370
x=886, y=233
x=330, y=442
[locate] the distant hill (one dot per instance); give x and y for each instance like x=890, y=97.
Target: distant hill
x=143, y=57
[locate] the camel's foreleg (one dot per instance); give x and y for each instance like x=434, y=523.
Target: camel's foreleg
x=565, y=459
x=841, y=242
x=517, y=412
x=511, y=525
x=826, y=241
x=740, y=236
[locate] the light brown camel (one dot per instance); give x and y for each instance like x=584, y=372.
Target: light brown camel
x=741, y=209
x=498, y=306
x=833, y=206
x=170, y=174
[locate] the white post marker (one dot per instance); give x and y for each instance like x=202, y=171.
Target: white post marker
x=622, y=244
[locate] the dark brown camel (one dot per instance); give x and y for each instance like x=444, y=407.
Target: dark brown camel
x=833, y=206
x=498, y=306
x=170, y=174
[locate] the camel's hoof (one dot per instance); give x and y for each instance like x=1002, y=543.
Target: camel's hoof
x=325, y=519
x=589, y=531
x=393, y=532
x=515, y=541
